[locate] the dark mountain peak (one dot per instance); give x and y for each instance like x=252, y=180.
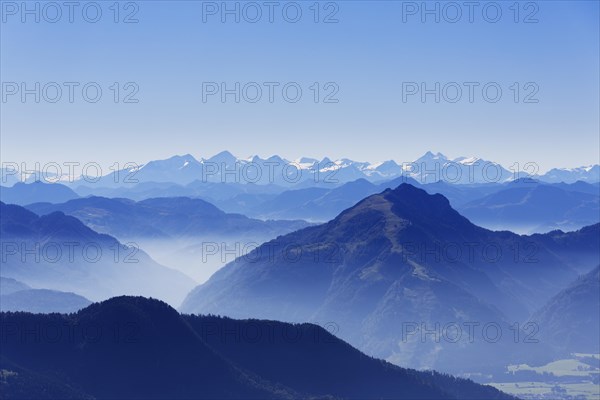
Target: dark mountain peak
x=148, y=319
x=135, y=300
x=394, y=210
x=408, y=188
x=130, y=304
x=393, y=183
x=408, y=201
x=407, y=195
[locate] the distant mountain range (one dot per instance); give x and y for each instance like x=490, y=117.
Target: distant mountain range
x=58, y=252
x=303, y=172
x=191, y=235
x=137, y=348
x=21, y=193
x=16, y=296
x=164, y=217
x=403, y=256
x=536, y=207
x=523, y=206
x=520, y=206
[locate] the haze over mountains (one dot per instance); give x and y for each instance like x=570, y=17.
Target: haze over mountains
x=164, y=217
x=191, y=235
x=16, y=296
x=401, y=256
x=535, y=207
x=60, y=253
x=300, y=200
x=405, y=266
x=570, y=319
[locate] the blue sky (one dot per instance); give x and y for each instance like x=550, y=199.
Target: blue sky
x=366, y=56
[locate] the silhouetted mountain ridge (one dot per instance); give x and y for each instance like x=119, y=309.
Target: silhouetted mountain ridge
x=145, y=349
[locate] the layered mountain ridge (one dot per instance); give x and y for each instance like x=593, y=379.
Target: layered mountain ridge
x=59, y=252
x=395, y=260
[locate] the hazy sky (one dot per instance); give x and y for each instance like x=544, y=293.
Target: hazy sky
x=374, y=57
